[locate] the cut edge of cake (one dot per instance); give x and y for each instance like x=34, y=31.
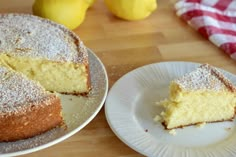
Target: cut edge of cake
x=25, y=36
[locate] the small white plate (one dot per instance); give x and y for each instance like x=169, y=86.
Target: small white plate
x=77, y=111
x=130, y=109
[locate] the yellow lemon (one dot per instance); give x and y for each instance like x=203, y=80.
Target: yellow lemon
x=90, y=2
x=131, y=9
x=70, y=13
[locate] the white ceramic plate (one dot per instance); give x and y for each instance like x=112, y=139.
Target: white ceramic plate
x=78, y=111
x=130, y=109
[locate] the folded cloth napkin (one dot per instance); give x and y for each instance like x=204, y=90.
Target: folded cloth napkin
x=214, y=19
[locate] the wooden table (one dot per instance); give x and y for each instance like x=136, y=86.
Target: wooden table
x=123, y=46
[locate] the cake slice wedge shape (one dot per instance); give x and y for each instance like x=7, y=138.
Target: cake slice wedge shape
x=201, y=96
x=26, y=109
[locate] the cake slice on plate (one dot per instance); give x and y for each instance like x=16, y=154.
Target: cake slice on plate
x=26, y=109
x=44, y=51
x=203, y=95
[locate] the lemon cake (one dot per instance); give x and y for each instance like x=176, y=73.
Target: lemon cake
x=44, y=51
x=201, y=96
x=26, y=109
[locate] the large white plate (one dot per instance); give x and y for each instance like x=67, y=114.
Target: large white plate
x=78, y=111
x=130, y=109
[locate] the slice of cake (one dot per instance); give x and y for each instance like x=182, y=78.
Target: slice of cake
x=44, y=51
x=203, y=95
x=26, y=109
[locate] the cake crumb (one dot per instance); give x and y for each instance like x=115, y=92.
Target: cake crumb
x=157, y=118
x=172, y=132
x=163, y=113
x=159, y=103
x=201, y=125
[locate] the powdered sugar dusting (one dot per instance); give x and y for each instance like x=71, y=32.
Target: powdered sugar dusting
x=205, y=77
x=17, y=93
x=31, y=36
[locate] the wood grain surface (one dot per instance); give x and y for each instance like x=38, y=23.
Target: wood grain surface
x=123, y=46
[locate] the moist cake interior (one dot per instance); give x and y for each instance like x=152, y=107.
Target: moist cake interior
x=203, y=95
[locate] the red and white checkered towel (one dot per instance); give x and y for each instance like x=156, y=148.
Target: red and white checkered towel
x=214, y=19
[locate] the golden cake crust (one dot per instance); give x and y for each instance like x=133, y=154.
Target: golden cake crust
x=182, y=126
x=35, y=120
